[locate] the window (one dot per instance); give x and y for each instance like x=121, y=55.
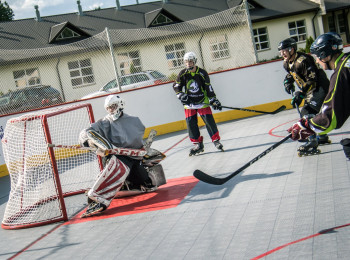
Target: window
x=161, y=19
x=129, y=62
x=81, y=72
x=67, y=34
x=297, y=30
x=219, y=47
x=174, y=54
x=341, y=23
x=336, y=23
x=261, y=39
x=26, y=78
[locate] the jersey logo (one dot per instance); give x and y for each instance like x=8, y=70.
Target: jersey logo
x=347, y=64
x=192, y=86
x=300, y=59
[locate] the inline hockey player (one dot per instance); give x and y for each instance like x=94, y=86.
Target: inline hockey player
x=194, y=90
x=328, y=49
x=311, y=80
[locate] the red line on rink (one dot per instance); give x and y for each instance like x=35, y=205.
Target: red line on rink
x=299, y=240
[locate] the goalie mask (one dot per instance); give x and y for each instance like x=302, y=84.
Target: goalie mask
x=190, y=60
x=114, y=106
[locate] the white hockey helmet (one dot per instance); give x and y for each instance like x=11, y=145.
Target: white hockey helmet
x=114, y=106
x=190, y=56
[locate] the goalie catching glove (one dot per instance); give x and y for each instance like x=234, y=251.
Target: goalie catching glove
x=301, y=130
x=90, y=138
x=215, y=103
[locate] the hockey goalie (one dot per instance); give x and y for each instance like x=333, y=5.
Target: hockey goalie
x=118, y=129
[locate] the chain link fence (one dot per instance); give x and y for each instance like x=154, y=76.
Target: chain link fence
x=43, y=77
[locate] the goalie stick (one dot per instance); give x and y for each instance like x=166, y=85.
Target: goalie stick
x=202, y=176
x=281, y=108
x=117, y=150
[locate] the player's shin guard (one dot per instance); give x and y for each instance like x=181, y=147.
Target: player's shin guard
x=109, y=181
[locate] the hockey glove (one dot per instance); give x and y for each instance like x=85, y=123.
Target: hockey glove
x=297, y=98
x=215, y=103
x=301, y=130
x=288, y=84
x=183, y=98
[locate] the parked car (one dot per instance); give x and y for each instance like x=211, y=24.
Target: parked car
x=131, y=81
x=29, y=98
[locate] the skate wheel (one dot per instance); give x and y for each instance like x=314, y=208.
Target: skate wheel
x=299, y=154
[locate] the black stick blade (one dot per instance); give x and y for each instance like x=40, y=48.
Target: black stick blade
x=202, y=176
x=279, y=109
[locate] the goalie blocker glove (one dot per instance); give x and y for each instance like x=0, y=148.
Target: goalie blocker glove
x=215, y=103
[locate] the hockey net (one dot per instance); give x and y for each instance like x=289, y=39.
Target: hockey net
x=41, y=176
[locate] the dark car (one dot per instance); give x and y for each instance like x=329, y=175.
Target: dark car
x=29, y=98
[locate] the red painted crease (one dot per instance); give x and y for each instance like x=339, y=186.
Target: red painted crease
x=167, y=196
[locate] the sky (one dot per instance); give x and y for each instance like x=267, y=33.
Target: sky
x=25, y=8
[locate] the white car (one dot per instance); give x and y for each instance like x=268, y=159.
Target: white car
x=131, y=81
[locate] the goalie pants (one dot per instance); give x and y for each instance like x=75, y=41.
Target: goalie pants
x=192, y=124
x=112, y=177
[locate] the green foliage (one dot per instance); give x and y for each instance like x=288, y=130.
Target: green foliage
x=308, y=43
x=6, y=13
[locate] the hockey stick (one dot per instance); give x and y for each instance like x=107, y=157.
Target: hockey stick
x=257, y=111
x=116, y=151
x=202, y=176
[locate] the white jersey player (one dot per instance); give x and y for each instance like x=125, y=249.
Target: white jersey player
x=117, y=129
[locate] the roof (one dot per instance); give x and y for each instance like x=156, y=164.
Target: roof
x=32, y=34
x=334, y=5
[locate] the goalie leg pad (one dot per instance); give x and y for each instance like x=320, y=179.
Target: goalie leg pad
x=156, y=174
x=109, y=181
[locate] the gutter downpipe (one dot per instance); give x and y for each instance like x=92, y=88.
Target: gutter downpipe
x=59, y=79
x=313, y=22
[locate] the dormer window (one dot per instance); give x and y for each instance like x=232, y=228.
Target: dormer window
x=161, y=19
x=67, y=34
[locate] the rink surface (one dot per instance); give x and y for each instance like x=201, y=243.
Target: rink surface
x=281, y=207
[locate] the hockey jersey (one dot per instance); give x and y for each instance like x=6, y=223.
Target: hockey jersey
x=196, y=85
x=127, y=131
x=336, y=106
x=306, y=73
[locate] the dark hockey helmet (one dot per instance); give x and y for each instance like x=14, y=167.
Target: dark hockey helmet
x=326, y=44
x=287, y=43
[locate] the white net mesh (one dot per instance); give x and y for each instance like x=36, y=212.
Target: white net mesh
x=221, y=41
x=35, y=192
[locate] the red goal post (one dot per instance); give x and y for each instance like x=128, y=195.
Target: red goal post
x=42, y=177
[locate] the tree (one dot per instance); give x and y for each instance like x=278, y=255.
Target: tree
x=6, y=13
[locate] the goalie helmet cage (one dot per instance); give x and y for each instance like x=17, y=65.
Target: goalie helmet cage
x=42, y=176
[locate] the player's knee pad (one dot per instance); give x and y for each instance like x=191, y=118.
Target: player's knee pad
x=109, y=181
